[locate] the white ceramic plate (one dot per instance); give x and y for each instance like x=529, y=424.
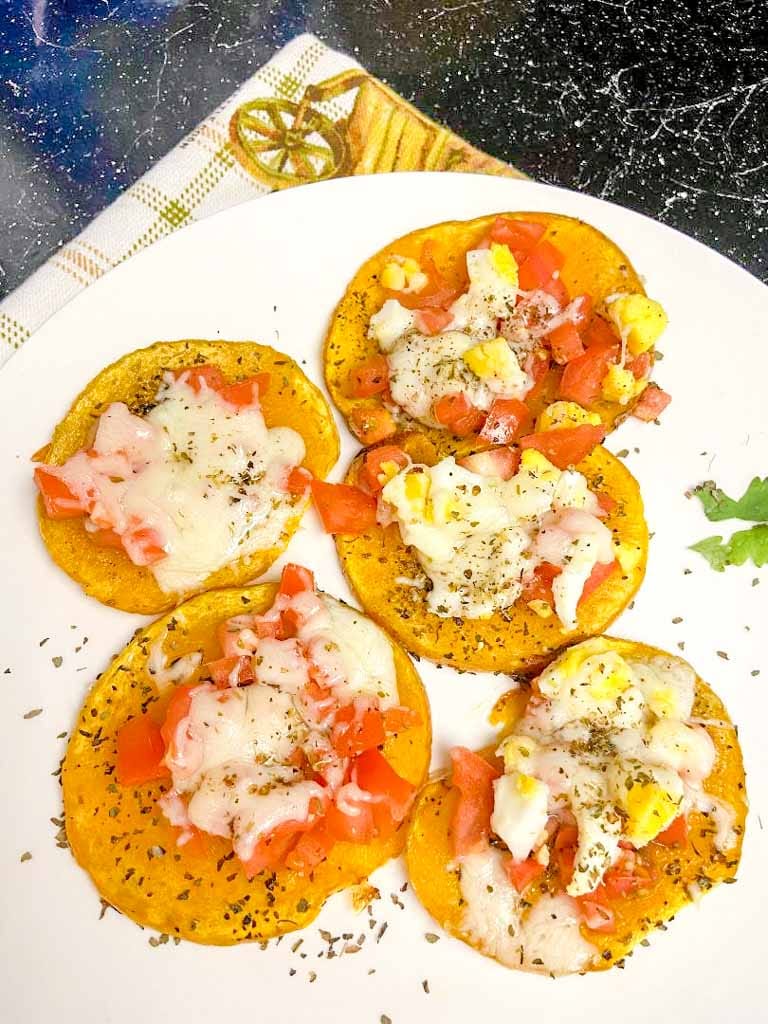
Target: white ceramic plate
x=272, y=270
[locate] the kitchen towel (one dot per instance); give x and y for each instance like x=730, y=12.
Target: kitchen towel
x=309, y=114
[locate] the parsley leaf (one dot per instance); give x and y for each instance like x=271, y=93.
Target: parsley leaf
x=752, y=505
x=743, y=544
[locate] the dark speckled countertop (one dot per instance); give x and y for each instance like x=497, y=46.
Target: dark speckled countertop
x=661, y=107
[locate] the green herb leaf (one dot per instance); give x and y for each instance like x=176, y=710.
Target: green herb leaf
x=743, y=545
x=752, y=505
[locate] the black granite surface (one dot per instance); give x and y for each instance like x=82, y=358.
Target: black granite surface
x=661, y=107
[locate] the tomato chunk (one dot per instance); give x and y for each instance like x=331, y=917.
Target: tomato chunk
x=597, y=914
x=640, y=366
x=538, y=587
x=565, y=343
x=599, y=574
x=567, y=446
x=555, y=287
x=458, y=414
x=353, y=732
x=311, y=849
x=343, y=508
x=600, y=332
x=539, y=266
x=432, y=321
x=499, y=462
x=270, y=852
x=196, y=376
x=474, y=778
x=295, y=580
x=583, y=377
x=175, y=713
x=376, y=776
x=652, y=403
x=245, y=392
x=376, y=462
x=140, y=752
x=370, y=377
x=234, y=671
x=522, y=873
x=143, y=545
x=437, y=293
x=537, y=367
x=298, y=480
x=59, y=501
x=506, y=418
x=371, y=424
x=348, y=827
x=675, y=834
x=581, y=307
x=520, y=235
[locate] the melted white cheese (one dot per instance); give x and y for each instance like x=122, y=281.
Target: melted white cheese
x=547, y=938
x=612, y=741
x=206, y=477
x=230, y=755
x=477, y=536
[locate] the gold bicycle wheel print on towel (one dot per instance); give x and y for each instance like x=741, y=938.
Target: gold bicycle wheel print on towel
x=284, y=143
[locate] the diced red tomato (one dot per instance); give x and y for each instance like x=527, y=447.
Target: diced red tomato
x=539, y=585
x=370, y=377
x=555, y=287
x=107, y=539
x=640, y=366
x=176, y=712
x=354, y=731
x=298, y=480
x=226, y=670
x=376, y=776
x=438, y=293
x=343, y=508
x=197, y=375
x=606, y=502
x=599, y=574
x=567, y=446
x=457, y=414
x=312, y=849
x=522, y=873
x=537, y=367
x=59, y=501
x=565, y=343
x=582, y=311
x=371, y=424
x=521, y=236
x=473, y=777
x=498, y=462
x=506, y=418
x=675, y=834
x=597, y=913
x=651, y=403
x=628, y=875
x=583, y=377
x=245, y=392
x=600, y=332
x=140, y=752
x=143, y=545
x=271, y=851
x=564, y=850
x=539, y=266
x=432, y=321
x=399, y=719
x=372, y=474
x=295, y=580
x=351, y=828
